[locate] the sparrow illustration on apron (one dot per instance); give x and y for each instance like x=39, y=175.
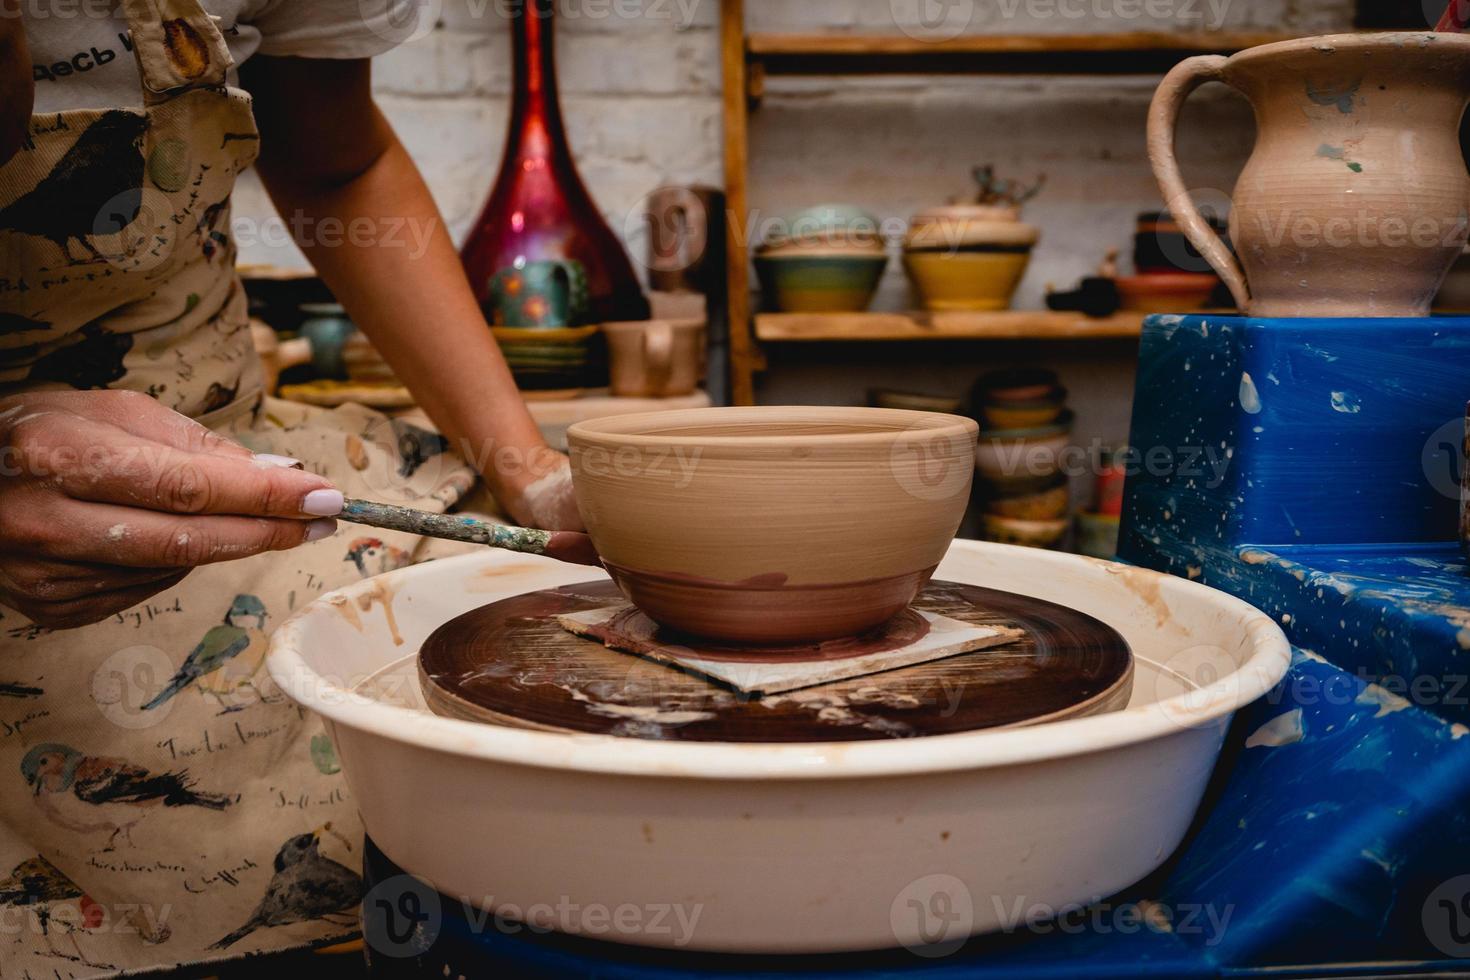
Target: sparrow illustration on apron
x=160, y=801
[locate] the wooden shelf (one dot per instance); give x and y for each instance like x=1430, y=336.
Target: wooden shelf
x=747, y=60
x=1142, y=53
x=1006, y=325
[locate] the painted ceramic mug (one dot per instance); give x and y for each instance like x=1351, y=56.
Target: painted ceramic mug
x=654, y=358
x=1356, y=200
x=547, y=293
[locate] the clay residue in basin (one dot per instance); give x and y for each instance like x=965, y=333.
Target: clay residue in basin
x=491, y=577
x=378, y=590
x=633, y=712
x=1147, y=586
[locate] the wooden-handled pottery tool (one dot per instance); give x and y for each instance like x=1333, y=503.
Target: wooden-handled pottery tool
x=568, y=546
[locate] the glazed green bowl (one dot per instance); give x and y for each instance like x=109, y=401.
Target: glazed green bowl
x=841, y=283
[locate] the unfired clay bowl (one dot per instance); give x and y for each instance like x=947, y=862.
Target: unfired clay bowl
x=773, y=525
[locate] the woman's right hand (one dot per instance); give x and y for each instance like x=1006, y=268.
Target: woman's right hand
x=107, y=498
x=17, y=83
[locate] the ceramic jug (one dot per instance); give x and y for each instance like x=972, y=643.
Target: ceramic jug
x=1356, y=200
x=654, y=358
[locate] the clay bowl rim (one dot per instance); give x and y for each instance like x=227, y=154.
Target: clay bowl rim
x=1352, y=43
x=1266, y=659
x=621, y=430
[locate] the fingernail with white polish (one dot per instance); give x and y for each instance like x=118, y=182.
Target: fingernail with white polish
x=271, y=459
x=322, y=503
x=322, y=528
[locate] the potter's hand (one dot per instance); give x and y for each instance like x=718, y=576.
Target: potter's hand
x=17, y=85
x=540, y=495
x=107, y=498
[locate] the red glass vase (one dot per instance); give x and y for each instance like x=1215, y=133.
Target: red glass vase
x=539, y=208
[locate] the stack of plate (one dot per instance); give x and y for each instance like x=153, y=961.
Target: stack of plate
x=1025, y=426
x=554, y=358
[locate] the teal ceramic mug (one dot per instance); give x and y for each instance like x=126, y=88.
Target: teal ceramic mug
x=547, y=293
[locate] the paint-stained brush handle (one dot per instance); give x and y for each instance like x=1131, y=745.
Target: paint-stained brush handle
x=569, y=546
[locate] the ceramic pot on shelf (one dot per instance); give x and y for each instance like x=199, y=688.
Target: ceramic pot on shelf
x=686, y=239
x=1355, y=201
x=654, y=358
x=968, y=256
x=828, y=258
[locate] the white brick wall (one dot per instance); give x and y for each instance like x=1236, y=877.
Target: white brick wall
x=641, y=97
x=641, y=89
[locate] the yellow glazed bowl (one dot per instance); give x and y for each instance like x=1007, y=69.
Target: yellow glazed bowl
x=773, y=525
x=976, y=281
x=1021, y=416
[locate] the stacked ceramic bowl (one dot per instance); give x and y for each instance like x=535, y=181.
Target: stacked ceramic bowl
x=1172, y=276
x=1025, y=426
x=546, y=359
x=823, y=259
x=968, y=256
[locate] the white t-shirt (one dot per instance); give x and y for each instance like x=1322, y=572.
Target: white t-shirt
x=81, y=58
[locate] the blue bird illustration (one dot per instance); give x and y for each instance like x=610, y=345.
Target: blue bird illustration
x=88, y=793
x=305, y=886
x=221, y=645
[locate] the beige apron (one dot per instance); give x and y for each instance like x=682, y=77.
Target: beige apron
x=160, y=801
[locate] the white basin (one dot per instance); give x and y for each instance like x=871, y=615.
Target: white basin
x=786, y=848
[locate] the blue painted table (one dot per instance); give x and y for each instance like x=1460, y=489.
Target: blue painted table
x=1306, y=467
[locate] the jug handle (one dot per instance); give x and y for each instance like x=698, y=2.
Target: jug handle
x=1163, y=119
x=658, y=355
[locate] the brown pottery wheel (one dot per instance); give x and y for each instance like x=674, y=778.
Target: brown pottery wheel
x=511, y=663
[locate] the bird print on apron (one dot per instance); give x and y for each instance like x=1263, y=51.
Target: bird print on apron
x=161, y=802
